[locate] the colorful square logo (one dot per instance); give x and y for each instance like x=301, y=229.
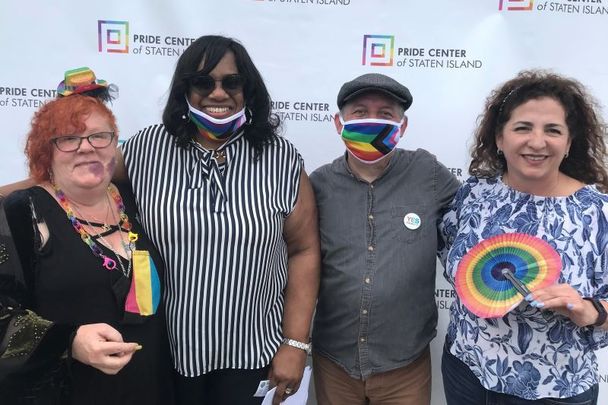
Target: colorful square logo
x=516, y=5
x=378, y=50
x=113, y=36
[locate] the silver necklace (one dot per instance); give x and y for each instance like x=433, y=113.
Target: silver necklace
x=104, y=225
x=127, y=246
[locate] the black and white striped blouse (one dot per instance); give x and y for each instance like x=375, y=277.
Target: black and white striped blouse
x=219, y=229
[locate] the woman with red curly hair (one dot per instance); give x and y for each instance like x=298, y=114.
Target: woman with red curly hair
x=62, y=116
x=85, y=298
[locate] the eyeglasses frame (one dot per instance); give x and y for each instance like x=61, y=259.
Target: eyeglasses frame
x=54, y=141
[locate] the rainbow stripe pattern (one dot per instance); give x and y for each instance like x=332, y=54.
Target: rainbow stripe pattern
x=370, y=141
x=79, y=80
x=479, y=281
x=144, y=294
x=217, y=132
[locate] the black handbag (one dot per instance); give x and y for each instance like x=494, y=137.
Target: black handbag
x=33, y=365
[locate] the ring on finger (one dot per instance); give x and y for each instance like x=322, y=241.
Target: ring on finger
x=288, y=391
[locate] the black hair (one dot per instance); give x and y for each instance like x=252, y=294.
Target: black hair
x=262, y=126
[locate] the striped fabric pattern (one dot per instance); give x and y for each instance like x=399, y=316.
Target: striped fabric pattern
x=226, y=270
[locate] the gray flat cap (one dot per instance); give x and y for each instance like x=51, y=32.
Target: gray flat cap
x=375, y=82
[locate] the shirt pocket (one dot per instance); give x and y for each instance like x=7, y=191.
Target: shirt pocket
x=410, y=223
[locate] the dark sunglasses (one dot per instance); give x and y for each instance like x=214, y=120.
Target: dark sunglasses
x=205, y=84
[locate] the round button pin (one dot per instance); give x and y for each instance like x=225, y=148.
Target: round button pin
x=411, y=221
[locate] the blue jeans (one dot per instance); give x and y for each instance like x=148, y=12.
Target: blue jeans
x=461, y=387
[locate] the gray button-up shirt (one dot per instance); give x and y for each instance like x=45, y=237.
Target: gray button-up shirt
x=376, y=309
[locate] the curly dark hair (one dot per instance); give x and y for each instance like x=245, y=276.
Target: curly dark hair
x=263, y=126
x=585, y=161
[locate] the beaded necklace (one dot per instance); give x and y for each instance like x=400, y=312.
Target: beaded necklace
x=108, y=263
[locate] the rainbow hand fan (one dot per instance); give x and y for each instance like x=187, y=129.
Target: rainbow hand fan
x=497, y=273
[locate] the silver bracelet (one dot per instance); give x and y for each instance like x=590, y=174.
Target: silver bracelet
x=299, y=345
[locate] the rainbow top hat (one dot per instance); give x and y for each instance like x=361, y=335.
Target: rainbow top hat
x=78, y=81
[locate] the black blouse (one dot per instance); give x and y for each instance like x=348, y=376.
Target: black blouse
x=65, y=283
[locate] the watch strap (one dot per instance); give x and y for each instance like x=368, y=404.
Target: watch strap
x=299, y=345
x=601, y=310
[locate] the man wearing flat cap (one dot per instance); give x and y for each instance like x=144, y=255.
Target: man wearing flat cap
x=378, y=213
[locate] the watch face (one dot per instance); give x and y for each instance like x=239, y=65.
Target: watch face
x=601, y=310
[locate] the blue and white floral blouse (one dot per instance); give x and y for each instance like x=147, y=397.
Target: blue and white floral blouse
x=530, y=353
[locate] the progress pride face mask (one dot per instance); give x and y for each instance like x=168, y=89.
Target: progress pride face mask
x=370, y=139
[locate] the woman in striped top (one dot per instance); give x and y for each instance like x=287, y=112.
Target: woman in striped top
x=228, y=204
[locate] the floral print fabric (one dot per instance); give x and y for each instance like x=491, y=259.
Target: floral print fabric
x=530, y=353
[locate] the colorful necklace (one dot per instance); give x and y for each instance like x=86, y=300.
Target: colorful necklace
x=108, y=262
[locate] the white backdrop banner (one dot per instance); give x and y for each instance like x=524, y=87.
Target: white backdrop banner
x=450, y=54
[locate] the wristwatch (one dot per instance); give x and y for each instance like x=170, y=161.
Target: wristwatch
x=602, y=314
x=300, y=345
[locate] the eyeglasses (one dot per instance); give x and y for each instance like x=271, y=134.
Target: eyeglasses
x=72, y=143
x=205, y=84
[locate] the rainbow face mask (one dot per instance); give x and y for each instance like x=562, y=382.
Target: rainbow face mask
x=370, y=139
x=216, y=130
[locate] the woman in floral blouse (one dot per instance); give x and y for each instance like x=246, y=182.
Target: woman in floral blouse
x=538, y=168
